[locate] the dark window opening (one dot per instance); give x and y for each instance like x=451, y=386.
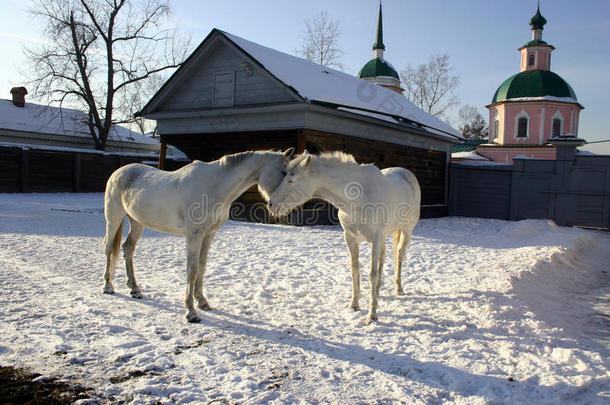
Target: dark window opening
x=522, y=127
x=556, y=127
x=531, y=61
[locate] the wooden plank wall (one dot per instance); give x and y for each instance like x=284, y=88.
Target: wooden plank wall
x=41, y=171
x=427, y=165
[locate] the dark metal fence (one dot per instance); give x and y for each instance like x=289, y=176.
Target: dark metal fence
x=573, y=192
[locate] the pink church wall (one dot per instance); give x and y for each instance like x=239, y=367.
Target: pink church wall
x=541, y=58
x=536, y=111
x=507, y=154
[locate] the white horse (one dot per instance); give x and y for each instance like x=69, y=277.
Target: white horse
x=193, y=201
x=372, y=204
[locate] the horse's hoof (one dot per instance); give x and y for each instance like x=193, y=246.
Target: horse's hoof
x=137, y=295
x=108, y=290
x=204, y=307
x=399, y=292
x=354, y=307
x=371, y=318
x=193, y=318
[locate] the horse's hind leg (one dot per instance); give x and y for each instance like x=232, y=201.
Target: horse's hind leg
x=380, y=273
x=354, y=249
x=202, y=302
x=376, y=251
x=193, y=249
x=135, y=232
x=399, y=256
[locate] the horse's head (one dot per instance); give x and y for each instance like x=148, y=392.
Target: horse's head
x=273, y=174
x=296, y=188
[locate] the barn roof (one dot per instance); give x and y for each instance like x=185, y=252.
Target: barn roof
x=318, y=84
x=59, y=121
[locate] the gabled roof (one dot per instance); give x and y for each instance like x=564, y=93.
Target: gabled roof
x=313, y=83
x=59, y=121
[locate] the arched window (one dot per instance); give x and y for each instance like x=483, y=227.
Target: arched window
x=556, y=128
x=496, y=129
x=531, y=60
x=522, y=127
x=557, y=125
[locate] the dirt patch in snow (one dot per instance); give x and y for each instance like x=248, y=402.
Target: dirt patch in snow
x=18, y=386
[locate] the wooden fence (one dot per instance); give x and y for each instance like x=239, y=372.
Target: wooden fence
x=33, y=170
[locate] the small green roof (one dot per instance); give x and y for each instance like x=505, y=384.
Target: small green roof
x=467, y=145
x=536, y=42
x=537, y=22
x=533, y=83
x=378, y=67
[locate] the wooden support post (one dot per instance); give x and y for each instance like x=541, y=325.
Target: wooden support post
x=301, y=143
x=77, y=173
x=24, y=173
x=162, y=153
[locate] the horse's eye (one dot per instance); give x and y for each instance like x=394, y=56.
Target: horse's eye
x=284, y=173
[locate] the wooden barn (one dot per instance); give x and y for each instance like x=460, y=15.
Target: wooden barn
x=233, y=95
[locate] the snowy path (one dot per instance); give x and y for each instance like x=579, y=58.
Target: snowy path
x=494, y=312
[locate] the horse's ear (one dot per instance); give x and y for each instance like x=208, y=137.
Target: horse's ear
x=305, y=152
x=289, y=152
x=306, y=162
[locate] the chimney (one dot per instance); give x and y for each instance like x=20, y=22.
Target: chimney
x=19, y=96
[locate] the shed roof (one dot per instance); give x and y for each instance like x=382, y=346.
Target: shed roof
x=319, y=84
x=59, y=121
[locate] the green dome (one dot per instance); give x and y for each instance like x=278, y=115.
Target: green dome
x=533, y=83
x=378, y=67
x=537, y=22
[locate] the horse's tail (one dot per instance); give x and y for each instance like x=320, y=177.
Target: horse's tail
x=412, y=180
x=113, y=251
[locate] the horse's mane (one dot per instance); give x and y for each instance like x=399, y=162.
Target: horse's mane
x=231, y=161
x=338, y=157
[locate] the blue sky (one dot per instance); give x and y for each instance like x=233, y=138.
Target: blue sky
x=480, y=36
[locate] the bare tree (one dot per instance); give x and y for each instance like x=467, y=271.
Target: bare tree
x=135, y=97
x=431, y=86
x=472, y=123
x=96, y=50
x=322, y=41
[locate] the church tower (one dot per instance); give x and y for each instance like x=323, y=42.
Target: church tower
x=532, y=106
x=378, y=70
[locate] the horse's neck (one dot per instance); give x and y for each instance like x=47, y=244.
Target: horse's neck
x=241, y=177
x=339, y=185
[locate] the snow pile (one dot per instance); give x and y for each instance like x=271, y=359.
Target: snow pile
x=494, y=312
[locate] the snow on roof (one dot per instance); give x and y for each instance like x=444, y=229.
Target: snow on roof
x=544, y=98
x=59, y=121
x=322, y=84
x=471, y=155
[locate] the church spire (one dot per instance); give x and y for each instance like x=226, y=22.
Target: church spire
x=537, y=22
x=378, y=46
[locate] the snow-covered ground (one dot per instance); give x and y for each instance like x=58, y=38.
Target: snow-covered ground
x=494, y=312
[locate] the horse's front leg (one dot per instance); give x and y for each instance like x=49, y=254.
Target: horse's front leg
x=353, y=248
x=376, y=250
x=193, y=248
x=202, y=303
